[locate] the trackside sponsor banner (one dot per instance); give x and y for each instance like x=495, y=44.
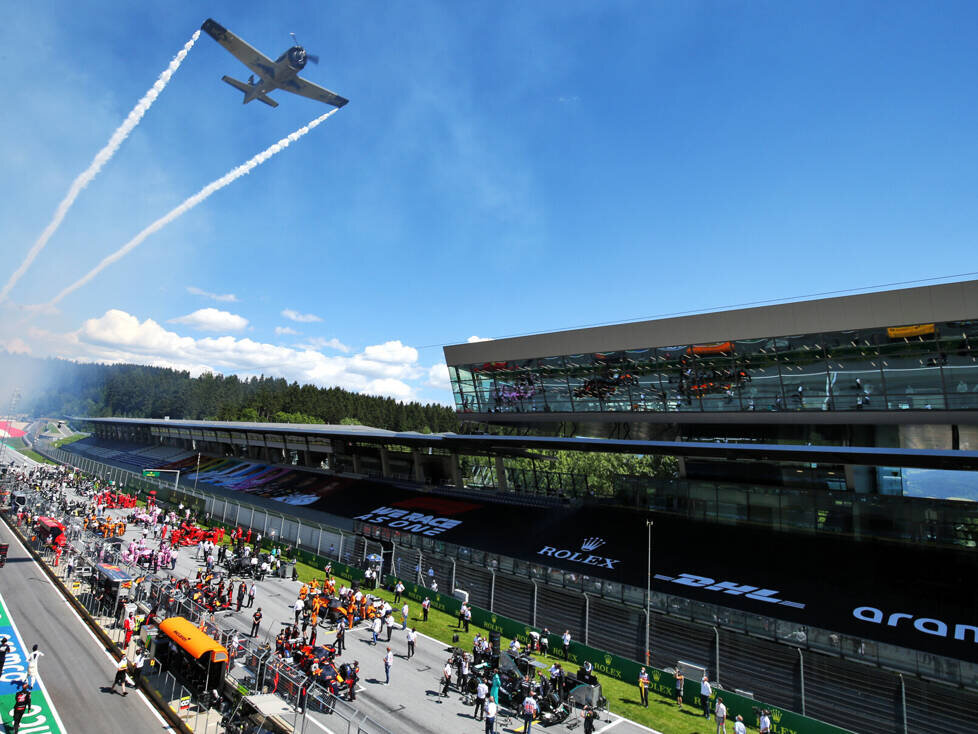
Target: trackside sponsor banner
x=899, y=593
x=41, y=718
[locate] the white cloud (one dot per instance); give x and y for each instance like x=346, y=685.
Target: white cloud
x=473, y=339
x=302, y=318
x=318, y=342
x=285, y=331
x=16, y=345
x=220, y=297
x=117, y=336
x=438, y=377
x=392, y=351
x=212, y=319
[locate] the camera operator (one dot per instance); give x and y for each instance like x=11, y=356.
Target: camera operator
x=589, y=715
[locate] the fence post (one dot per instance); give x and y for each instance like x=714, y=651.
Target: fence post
x=534, y=603
x=903, y=701
x=716, y=636
x=340, y=549
x=801, y=677
x=451, y=589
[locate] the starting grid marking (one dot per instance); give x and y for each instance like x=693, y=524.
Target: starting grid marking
x=42, y=717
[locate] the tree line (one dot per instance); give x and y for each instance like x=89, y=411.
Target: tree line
x=58, y=387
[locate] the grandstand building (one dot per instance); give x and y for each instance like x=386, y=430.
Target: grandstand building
x=817, y=548
x=897, y=368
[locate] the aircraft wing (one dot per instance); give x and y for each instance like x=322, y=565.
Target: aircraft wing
x=298, y=85
x=251, y=57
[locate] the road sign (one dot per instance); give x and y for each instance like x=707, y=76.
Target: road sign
x=148, y=473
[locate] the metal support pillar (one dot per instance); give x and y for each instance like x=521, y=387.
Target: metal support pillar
x=451, y=586
x=457, y=479
x=587, y=617
x=534, y=603
x=418, y=468
x=385, y=462
x=502, y=484
x=492, y=589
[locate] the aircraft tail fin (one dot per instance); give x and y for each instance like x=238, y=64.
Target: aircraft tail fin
x=249, y=91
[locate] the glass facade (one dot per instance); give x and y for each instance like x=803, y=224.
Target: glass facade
x=916, y=367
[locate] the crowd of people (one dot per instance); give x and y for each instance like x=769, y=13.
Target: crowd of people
x=485, y=677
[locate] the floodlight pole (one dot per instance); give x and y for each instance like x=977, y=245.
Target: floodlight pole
x=648, y=594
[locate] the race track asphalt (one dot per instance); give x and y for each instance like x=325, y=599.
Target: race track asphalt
x=76, y=669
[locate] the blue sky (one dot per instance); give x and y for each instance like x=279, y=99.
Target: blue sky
x=501, y=168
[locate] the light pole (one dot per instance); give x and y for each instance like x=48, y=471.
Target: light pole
x=648, y=595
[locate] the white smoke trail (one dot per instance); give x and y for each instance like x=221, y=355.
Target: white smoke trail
x=103, y=157
x=190, y=203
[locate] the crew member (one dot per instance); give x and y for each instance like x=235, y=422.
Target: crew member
x=643, y=687
x=705, y=692
x=4, y=649
x=120, y=677
x=255, y=621
x=412, y=637
x=446, y=682
x=481, y=692
x=340, y=636
x=529, y=709
x=22, y=702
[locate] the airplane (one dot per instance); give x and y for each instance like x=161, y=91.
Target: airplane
x=283, y=73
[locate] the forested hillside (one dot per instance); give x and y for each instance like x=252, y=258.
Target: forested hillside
x=56, y=387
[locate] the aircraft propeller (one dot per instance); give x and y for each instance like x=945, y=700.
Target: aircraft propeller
x=309, y=57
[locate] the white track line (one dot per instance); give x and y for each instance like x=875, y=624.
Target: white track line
x=605, y=728
x=40, y=681
x=109, y=655
x=319, y=724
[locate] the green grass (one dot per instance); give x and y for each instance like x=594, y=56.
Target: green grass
x=663, y=714
x=30, y=453
x=70, y=439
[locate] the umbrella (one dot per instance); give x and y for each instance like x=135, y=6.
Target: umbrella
x=374, y=558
